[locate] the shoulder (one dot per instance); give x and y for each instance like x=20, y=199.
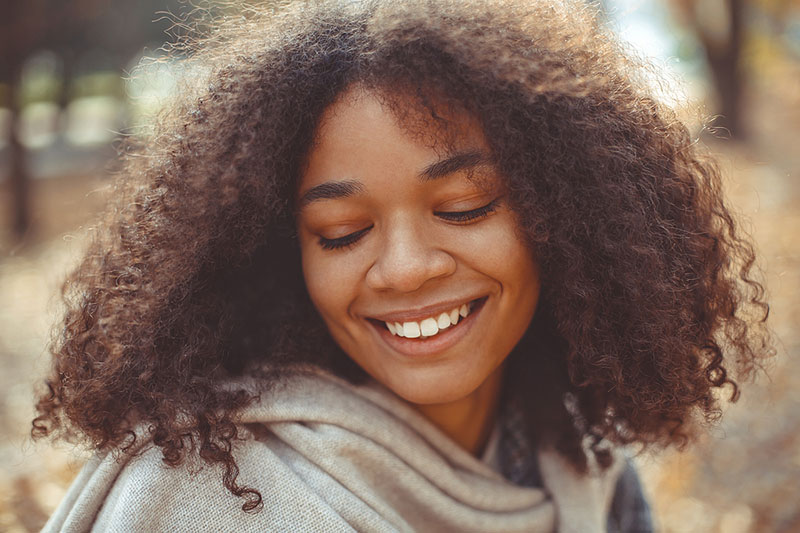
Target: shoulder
x=615, y=493
x=139, y=492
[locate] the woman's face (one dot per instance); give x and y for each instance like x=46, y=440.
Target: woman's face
x=393, y=232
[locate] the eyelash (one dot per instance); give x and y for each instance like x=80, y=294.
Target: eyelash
x=458, y=216
x=466, y=216
x=342, y=242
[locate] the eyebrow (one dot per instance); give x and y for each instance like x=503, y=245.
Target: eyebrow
x=331, y=190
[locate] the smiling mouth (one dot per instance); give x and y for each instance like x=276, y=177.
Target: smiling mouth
x=431, y=326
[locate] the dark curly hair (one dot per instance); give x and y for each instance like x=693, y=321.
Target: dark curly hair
x=193, y=277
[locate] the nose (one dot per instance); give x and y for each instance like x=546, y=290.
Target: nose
x=407, y=259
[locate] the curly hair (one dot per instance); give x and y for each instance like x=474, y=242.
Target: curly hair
x=648, y=304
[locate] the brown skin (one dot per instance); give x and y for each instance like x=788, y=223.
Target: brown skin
x=647, y=305
x=469, y=421
x=414, y=247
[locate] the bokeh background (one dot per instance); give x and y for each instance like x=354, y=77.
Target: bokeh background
x=76, y=75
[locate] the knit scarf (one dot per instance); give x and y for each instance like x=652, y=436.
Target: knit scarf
x=330, y=456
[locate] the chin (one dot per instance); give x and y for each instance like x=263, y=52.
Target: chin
x=432, y=389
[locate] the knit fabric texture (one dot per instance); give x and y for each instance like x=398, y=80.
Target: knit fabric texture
x=330, y=456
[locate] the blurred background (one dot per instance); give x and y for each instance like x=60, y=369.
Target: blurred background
x=76, y=75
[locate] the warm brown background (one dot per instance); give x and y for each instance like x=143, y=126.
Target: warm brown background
x=63, y=95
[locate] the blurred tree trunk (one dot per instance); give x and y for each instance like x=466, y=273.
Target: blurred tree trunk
x=19, y=178
x=719, y=25
x=68, y=57
x=17, y=34
x=724, y=59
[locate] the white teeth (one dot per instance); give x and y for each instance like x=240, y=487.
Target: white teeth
x=411, y=330
x=428, y=327
x=454, y=317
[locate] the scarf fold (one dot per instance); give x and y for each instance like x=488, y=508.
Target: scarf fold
x=330, y=456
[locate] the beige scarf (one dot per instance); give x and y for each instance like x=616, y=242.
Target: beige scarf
x=329, y=456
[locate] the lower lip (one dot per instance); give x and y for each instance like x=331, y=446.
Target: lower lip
x=429, y=346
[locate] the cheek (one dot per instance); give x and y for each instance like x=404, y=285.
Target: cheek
x=331, y=282
x=522, y=276
x=511, y=263
x=499, y=253
x=521, y=269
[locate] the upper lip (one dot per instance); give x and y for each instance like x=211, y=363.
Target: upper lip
x=420, y=313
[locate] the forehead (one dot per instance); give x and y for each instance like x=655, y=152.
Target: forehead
x=377, y=128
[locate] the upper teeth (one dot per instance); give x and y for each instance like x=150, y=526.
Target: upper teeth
x=430, y=326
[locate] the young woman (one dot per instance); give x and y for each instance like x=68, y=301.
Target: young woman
x=401, y=266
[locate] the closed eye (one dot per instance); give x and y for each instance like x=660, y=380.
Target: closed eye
x=452, y=216
x=465, y=216
x=343, y=242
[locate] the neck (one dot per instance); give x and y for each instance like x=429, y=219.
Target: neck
x=469, y=420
